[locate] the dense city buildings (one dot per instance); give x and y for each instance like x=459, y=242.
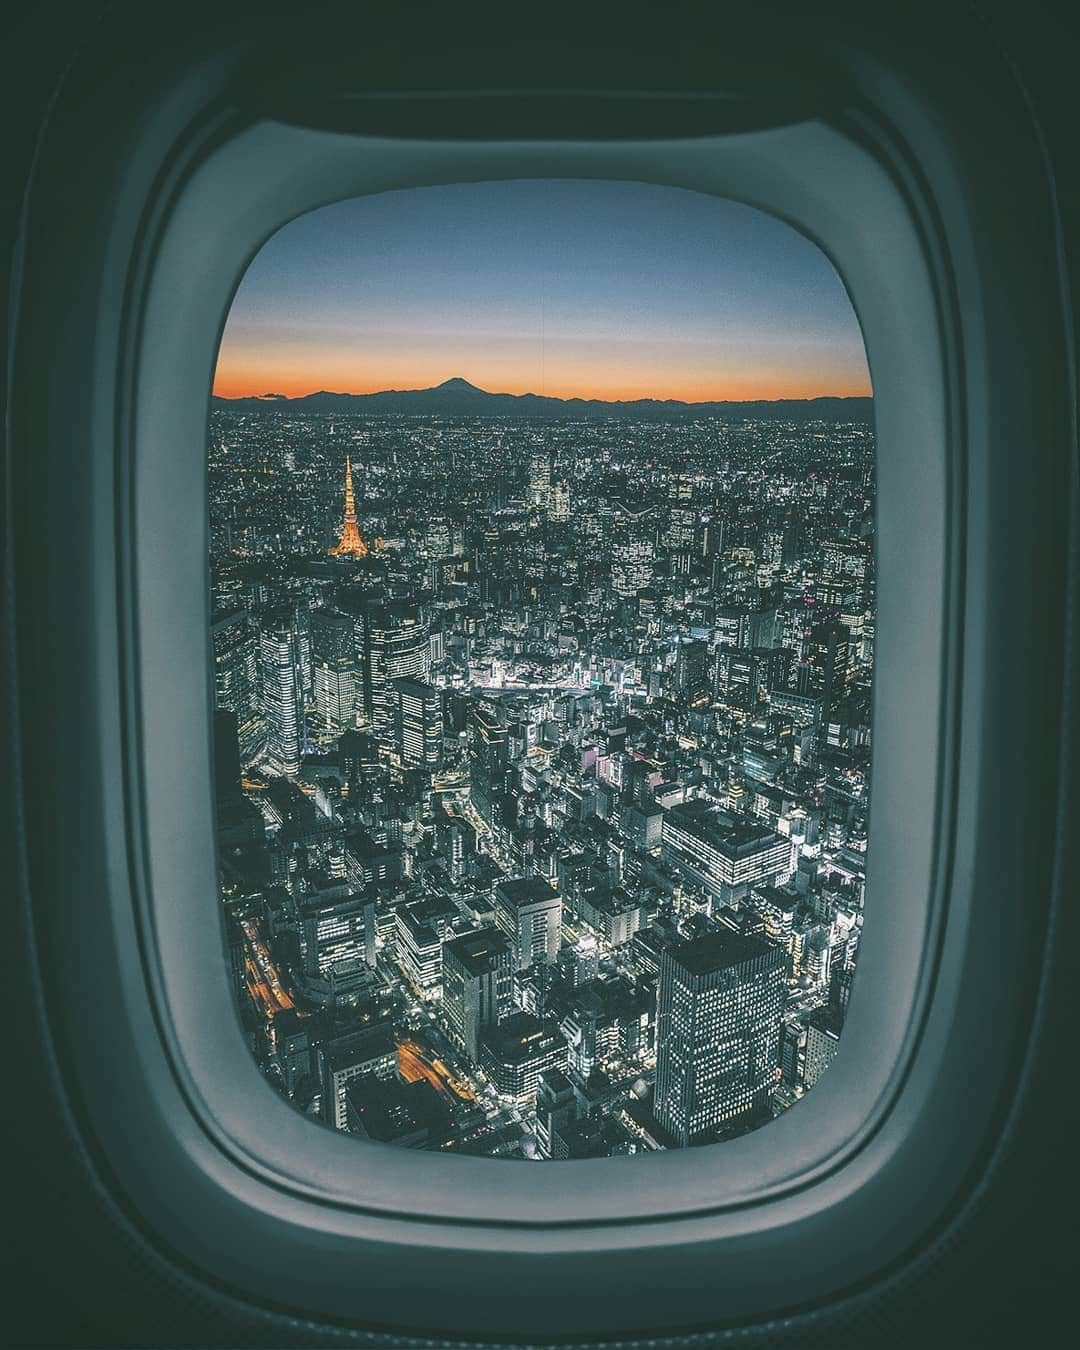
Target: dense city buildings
x=543, y=750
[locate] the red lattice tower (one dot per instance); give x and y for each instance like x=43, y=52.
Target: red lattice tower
x=350, y=542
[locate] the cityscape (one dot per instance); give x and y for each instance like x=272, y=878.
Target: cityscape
x=542, y=756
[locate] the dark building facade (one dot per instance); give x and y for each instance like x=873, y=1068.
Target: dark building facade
x=721, y=1001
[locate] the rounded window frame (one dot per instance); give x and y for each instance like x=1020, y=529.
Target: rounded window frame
x=583, y=1196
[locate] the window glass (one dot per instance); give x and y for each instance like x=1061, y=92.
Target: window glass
x=542, y=568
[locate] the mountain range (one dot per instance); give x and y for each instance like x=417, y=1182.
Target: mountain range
x=459, y=398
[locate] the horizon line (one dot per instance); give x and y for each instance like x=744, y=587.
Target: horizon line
x=273, y=397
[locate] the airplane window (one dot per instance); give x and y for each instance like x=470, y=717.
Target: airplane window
x=542, y=603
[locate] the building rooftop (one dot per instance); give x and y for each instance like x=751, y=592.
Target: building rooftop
x=358, y=1047
x=719, y=951
x=415, y=688
x=476, y=951
x=393, y=1112
x=526, y=891
x=716, y=827
x=517, y=1037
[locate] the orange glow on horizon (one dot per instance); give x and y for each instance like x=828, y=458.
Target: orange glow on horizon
x=248, y=383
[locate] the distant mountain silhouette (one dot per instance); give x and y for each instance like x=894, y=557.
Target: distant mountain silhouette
x=457, y=397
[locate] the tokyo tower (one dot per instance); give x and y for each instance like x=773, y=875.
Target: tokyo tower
x=350, y=541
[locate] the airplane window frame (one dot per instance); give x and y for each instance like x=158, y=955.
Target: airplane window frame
x=321, y=166
x=219, y=1184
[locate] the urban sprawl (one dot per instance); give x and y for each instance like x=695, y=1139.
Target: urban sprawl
x=542, y=755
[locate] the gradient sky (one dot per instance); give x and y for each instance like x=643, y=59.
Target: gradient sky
x=598, y=289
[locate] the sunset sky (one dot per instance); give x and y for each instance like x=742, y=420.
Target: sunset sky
x=592, y=289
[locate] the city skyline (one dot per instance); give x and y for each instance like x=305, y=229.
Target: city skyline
x=570, y=289
x=542, y=673
x=543, y=767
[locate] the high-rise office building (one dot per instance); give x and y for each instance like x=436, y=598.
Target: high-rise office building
x=396, y=647
x=631, y=563
x=333, y=660
x=236, y=678
x=540, y=479
x=822, y=1043
x=336, y=930
x=489, y=761
x=691, y=663
x=477, y=979
x=418, y=724
x=282, y=685
x=342, y=1058
x=720, y=1005
x=455, y=839
x=825, y=669
x=529, y=912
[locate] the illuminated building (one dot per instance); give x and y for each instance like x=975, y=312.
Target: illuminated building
x=236, y=678
x=350, y=543
x=631, y=564
x=529, y=912
x=825, y=670
x=333, y=660
x=516, y=1051
x=342, y=1058
x=421, y=930
x=691, y=660
x=396, y=647
x=456, y=840
x=282, y=698
x=477, y=971
x=721, y=1000
x=722, y=857
x=337, y=930
x=822, y=1042
x=540, y=479
x=418, y=724
x=556, y=1108
x=489, y=759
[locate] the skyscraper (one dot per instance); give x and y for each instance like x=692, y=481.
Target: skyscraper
x=418, y=724
x=516, y=1051
x=396, y=647
x=721, y=1000
x=456, y=841
x=333, y=661
x=822, y=1042
x=540, y=479
x=556, y=1107
x=631, y=564
x=691, y=660
x=826, y=666
x=477, y=975
x=281, y=681
x=236, y=677
x=489, y=760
